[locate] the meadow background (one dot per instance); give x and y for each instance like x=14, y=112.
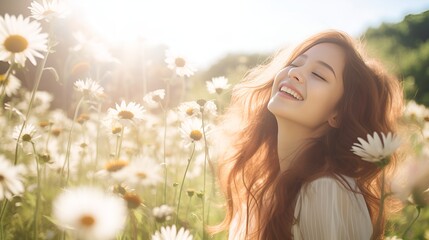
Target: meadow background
x=106, y=139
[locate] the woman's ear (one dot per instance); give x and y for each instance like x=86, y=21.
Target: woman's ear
x=334, y=121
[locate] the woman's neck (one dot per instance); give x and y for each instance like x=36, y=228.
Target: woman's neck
x=291, y=139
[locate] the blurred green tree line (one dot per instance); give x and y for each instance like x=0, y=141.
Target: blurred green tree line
x=404, y=48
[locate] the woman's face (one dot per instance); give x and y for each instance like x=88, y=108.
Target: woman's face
x=308, y=90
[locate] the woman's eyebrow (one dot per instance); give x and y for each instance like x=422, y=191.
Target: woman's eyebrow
x=327, y=66
x=321, y=63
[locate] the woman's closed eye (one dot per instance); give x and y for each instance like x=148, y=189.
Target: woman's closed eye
x=319, y=76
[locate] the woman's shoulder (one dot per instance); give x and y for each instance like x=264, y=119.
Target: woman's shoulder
x=332, y=192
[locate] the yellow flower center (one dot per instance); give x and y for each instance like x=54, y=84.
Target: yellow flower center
x=26, y=137
x=124, y=114
x=87, y=220
x=43, y=124
x=141, y=175
x=115, y=165
x=56, y=132
x=48, y=12
x=3, y=80
x=1, y=178
x=219, y=90
x=116, y=130
x=180, y=62
x=196, y=135
x=83, y=118
x=190, y=111
x=132, y=199
x=15, y=43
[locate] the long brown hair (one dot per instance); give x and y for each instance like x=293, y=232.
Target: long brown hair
x=249, y=171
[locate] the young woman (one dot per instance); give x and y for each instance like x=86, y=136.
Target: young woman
x=288, y=172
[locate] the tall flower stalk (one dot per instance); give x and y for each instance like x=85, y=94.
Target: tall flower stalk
x=38, y=194
x=206, y=158
x=165, y=111
x=418, y=208
x=67, y=159
x=183, y=181
x=378, y=151
x=119, y=147
x=3, y=87
x=39, y=72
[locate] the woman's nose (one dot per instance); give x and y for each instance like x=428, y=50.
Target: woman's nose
x=295, y=74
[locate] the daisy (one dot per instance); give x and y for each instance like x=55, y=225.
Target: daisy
x=111, y=170
x=28, y=134
x=153, y=98
x=11, y=178
x=89, y=213
x=415, y=111
x=48, y=10
x=217, y=85
x=393, y=238
x=189, y=109
x=170, y=233
x=126, y=113
x=89, y=88
x=142, y=171
x=162, y=213
x=132, y=199
x=11, y=84
x=374, y=149
x=7, y=106
x=20, y=39
x=115, y=165
x=411, y=177
x=179, y=63
x=193, y=109
x=210, y=108
x=191, y=131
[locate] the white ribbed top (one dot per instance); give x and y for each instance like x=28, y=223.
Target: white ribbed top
x=325, y=209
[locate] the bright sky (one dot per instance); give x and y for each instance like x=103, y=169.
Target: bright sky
x=207, y=30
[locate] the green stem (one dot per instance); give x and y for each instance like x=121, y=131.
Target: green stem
x=47, y=138
x=167, y=97
x=418, y=208
x=67, y=160
x=183, y=181
x=382, y=198
x=97, y=144
x=3, y=213
x=39, y=72
x=118, y=154
x=36, y=211
x=206, y=157
x=3, y=92
x=133, y=225
x=187, y=209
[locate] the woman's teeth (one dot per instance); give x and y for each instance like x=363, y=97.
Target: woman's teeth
x=291, y=92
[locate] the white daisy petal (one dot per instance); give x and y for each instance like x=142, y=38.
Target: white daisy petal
x=179, y=63
x=171, y=233
x=90, y=213
x=11, y=178
x=48, y=10
x=374, y=149
x=21, y=39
